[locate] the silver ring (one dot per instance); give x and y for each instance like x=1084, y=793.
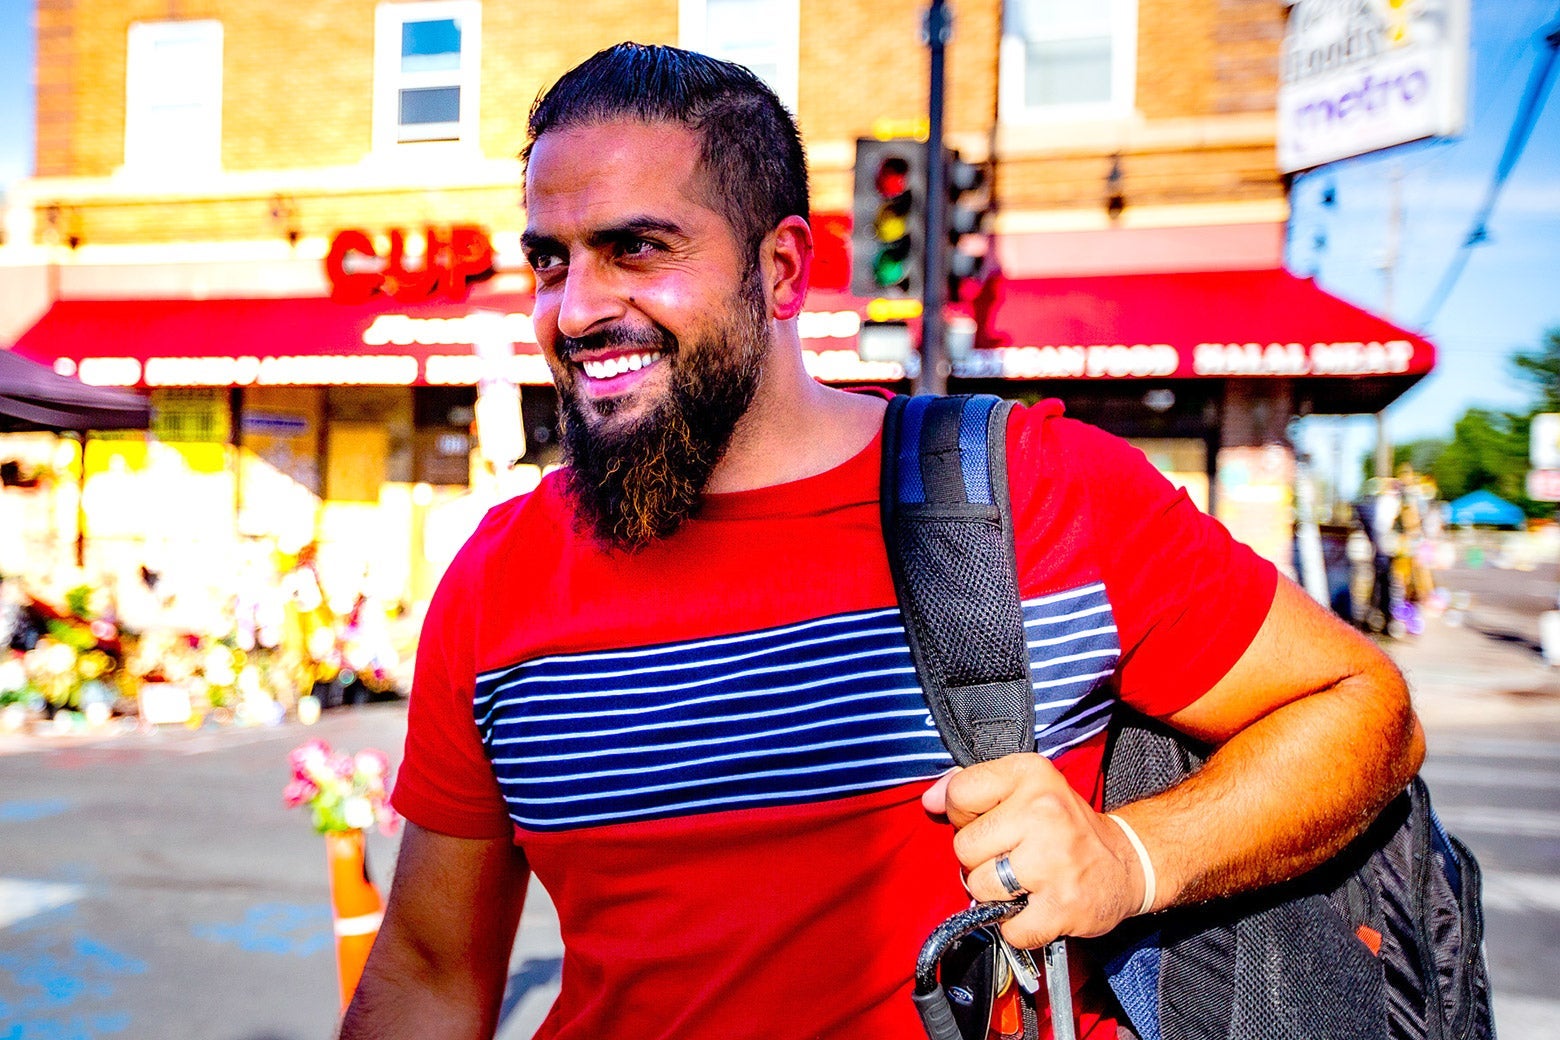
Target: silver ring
x=1008, y=878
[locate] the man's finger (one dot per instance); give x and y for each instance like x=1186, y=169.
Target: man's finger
x=935, y=799
x=985, y=785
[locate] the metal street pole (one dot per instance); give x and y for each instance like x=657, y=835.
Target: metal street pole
x=934, y=280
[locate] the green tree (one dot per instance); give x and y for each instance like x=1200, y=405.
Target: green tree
x=1541, y=367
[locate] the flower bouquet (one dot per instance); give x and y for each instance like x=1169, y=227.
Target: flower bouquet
x=343, y=792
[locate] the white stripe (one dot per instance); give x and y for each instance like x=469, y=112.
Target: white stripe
x=1106, y=630
x=1059, y=618
x=1522, y=823
x=673, y=809
x=674, y=648
x=679, y=785
x=917, y=734
x=1519, y=1015
x=1521, y=893
x=699, y=662
x=712, y=720
x=21, y=899
x=1070, y=658
x=1055, y=749
x=363, y=924
x=1494, y=747
x=731, y=739
x=1058, y=597
x=734, y=695
x=1065, y=702
x=1451, y=774
x=715, y=680
x=1050, y=684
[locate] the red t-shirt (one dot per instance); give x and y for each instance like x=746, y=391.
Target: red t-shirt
x=712, y=751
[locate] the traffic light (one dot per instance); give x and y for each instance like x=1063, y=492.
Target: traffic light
x=888, y=219
x=969, y=199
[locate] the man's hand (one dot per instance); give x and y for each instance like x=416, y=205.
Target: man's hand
x=1082, y=874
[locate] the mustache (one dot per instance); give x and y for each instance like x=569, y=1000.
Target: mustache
x=569, y=347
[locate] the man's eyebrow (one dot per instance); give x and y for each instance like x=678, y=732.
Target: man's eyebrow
x=633, y=227
x=534, y=241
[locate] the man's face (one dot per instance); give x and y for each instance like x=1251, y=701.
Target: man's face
x=650, y=314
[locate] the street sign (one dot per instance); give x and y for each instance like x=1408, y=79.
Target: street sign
x=1544, y=441
x=1543, y=485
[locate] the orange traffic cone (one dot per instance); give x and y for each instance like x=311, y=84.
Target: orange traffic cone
x=355, y=907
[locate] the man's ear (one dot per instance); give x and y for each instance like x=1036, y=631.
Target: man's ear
x=788, y=256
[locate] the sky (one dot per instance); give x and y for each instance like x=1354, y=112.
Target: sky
x=1505, y=300
x=1509, y=293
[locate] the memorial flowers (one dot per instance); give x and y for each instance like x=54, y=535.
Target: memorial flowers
x=343, y=792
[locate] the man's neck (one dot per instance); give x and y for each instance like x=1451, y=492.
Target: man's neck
x=795, y=428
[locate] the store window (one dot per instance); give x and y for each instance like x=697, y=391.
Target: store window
x=1068, y=58
x=761, y=34
x=173, y=96
x=426, y=61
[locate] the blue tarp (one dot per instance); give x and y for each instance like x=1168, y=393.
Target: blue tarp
x=1483, y=507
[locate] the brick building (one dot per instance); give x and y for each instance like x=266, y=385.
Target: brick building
x=198, y=159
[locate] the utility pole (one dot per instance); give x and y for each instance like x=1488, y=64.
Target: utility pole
x=1389, y=262
x=934, y=282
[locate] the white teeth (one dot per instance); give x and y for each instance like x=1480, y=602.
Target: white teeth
x=608, y=367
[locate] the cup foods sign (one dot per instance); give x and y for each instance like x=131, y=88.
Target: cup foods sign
x=1361, y=75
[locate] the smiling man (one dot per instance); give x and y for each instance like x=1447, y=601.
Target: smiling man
x=672, y=683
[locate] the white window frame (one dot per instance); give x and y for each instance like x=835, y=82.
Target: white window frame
x=389, y=80
x=693, y=35
x=1123, y=88
x=197, y=147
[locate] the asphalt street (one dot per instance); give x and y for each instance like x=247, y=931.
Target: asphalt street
x=153, y=886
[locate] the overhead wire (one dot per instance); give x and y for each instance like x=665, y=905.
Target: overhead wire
x=1539, y=82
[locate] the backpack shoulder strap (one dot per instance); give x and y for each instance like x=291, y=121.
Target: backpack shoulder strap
x=948, y=527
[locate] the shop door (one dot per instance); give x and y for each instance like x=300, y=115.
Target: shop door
x=356, y=461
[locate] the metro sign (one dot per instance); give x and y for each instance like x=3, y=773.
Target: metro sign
x=451, y=260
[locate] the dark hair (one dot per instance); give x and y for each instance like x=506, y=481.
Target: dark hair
x=751, y=152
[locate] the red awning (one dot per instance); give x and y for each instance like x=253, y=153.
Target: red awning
x=1192, y=325
x=315, y=341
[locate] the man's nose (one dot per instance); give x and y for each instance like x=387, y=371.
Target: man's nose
x=589, y=301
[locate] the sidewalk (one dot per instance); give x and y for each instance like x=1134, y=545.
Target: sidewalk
x=1470, y=670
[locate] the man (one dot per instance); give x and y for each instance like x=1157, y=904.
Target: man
x=673, y=683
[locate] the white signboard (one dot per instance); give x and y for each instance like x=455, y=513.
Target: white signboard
x=1544, y=441
x=1362, y=75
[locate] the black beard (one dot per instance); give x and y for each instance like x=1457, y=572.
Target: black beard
x=638, y=484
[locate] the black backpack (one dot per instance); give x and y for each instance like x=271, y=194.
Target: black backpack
x=1383, y=940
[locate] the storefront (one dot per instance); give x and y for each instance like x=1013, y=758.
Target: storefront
x=1203, y=370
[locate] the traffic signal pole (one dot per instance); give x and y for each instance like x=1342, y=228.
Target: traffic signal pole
x=934, y=282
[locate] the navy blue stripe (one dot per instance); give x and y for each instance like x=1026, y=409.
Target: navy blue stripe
x=800, y=713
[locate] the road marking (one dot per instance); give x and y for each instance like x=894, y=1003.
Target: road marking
x=1440, y=771
x=1522, y=893
x=1495, y=747
x=1520, y=823
x=1525, y=1016
x=20, y=899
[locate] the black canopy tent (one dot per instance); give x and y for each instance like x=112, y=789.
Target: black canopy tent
x=35, y=397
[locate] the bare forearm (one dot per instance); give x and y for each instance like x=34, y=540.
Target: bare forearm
x=410, y=1004
x=1283, y=795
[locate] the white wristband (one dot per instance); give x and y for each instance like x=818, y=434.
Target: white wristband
x=1143, y=861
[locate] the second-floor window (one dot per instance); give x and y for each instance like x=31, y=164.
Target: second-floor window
x=427, y=57
x=761, y=34
x=173, y=96
x=1068, y=57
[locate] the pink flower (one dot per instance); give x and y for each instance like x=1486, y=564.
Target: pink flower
x=372, y=762
x=299, y=792
x=312, y=753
